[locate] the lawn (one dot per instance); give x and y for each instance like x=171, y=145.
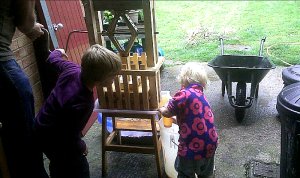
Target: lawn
x=190, y=30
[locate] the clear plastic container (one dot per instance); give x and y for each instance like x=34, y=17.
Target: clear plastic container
x=164, y=98
x=169, y=138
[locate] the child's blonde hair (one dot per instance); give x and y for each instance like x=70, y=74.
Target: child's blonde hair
x=98, y=63
x=193, y=72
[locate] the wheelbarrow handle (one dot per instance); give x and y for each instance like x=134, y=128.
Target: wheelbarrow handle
x=221, y=45
x=263, y=40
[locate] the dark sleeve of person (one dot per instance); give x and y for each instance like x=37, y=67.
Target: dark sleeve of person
x=58, y=63
x=24, y=14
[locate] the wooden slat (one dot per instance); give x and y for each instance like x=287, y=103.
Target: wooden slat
x=133, y=67
x=126, y=61
x=134, y=124
x=145, y=93
x=110, y=138
x=130, y=149
x=148, y=72
x=101, y=97
x=118, y=92
x=102, y=5
x=136, y=99
x=126, y=92
x=142, y=67
x=127, y=113
x=158, y=86
x=110, y=96
x=134, y=60
x=153, y=93
x=143, y=59
x=156, y=146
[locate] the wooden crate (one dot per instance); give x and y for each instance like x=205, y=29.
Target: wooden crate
x=134, y=88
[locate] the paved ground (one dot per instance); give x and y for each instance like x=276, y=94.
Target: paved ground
x=257, y=137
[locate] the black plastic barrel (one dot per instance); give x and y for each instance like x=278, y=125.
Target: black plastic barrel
x=288, y=106
x=291, y=75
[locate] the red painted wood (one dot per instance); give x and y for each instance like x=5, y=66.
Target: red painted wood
x=70, y=14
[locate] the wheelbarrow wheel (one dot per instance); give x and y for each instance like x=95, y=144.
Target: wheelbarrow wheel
x=240, y=101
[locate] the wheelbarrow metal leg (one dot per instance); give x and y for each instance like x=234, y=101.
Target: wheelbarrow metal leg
x=223, y=88
x=256, y=93
x=254, y=87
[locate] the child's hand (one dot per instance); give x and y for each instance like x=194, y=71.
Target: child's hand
x=174, y=120
x=160, y=109
x=86, y=152
x=63, y=53
x=165, y=111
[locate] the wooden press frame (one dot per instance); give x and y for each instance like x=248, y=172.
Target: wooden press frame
x=95, y=29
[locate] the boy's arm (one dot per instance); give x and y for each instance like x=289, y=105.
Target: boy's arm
x=58, y=60
x=25, y=18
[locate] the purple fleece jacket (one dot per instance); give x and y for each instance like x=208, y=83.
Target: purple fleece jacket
x=66, y=110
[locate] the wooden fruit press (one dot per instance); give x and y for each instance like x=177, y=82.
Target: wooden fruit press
x=133, y=98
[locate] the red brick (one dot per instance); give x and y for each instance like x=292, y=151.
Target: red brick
x=30, y=49
x=17, y=34
x=38, y=96
x=36, y=87
x=24, y=51
x=28, y=60
x=34, y=78
x=17, y=54
x=14, y=45
x=30, y=70
x=23, y=40
x=20, y=53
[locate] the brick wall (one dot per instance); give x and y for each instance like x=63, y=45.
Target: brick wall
x=24, y=53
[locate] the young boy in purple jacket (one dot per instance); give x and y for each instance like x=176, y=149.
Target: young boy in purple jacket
x=197, y=133
x=67, y=109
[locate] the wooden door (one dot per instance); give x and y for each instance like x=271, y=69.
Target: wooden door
x=70, y=17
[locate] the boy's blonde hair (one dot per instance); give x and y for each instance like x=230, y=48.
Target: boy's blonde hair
x=193, y=72
x=98, y=63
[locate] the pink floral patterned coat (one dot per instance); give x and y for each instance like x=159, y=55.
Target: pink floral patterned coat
x=198, y=137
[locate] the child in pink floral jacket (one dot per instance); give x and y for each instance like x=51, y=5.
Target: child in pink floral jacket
x=198, y=137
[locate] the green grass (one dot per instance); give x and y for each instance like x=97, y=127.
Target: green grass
x=190, y=30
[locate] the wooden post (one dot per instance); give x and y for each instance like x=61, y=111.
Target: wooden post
x=150, y=39
x=90, y=20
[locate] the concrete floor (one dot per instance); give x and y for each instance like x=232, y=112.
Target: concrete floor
x=257, y=137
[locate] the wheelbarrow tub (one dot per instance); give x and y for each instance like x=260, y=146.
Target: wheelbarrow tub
x=241, y=68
